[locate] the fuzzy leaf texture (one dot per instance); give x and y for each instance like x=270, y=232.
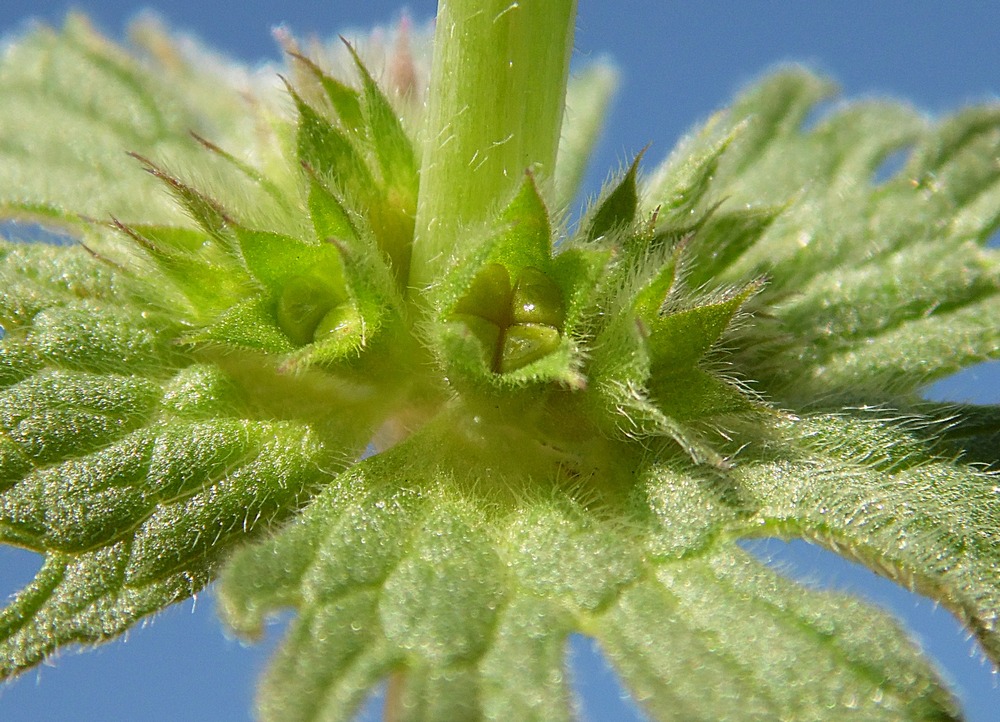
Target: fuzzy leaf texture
x=568, y=431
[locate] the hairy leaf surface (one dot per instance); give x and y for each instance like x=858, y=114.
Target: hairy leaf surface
x=566, y=430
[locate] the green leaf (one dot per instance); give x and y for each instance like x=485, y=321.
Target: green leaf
x=684, y=628
x=720, y=239
x=588, y=98
x=848, y=319
x=697, y=395
x=252, y=325
x=138, y=524
x=864, y=487
x=942, y=320
x=372, y=167
x=679, y=187
x=572, y=427
x=419, y=575
x=207, y=278
x=330, y=218
x=273, y=259
x=52, y=414
x=130, y=468
x=346, y=101
x=34, y=276
x=428, y=593
x=648, y=300
x=74, y=104
x=393, y=149
x=532, y=630
x=678, y=340
x=254, y=495
x=206, y=211
x=330, y=152
x=778, y=106
x=435, y=592
x=585, y=562
x=81, y=599
x=618, y=208
x=331, y=681
x=91, y=336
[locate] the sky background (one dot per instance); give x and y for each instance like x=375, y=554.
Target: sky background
x=679, y=62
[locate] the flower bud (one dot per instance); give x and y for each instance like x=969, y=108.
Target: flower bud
x=537, y=299
x=302, y=304
x=527, y=342
x=488, y=296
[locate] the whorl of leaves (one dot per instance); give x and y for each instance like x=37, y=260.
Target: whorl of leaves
x=573, y=428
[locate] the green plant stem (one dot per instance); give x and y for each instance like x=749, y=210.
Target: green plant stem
x=497, y=93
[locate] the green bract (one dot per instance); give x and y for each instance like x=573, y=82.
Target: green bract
x=295, y=347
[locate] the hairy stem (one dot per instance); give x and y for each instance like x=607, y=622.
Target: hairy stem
x=498, y=89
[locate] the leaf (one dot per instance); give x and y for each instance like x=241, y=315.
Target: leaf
x=588, y=97
x=678, y=340
x=572, y=433
x=393, y=149
x=331, y=220
x=946, y=341
x=864, y=487
x=419, y=574
x=867, y=489
x=207, y=278
x=273, y=259
x=371, y=168
x=844, y=245
x=330, y=152
x=35, y=276
x=206, y=211
x=720, y=239
x=680, y=185
x=696, y=395
x=680, y=631
x=618, y=208
x=779, y=104
x=80, y=599
x=532, y=630
x=248, y=325
x=130, y=468
x=138, y=523
x=50, y=415
x=74, y=104
x=436, y=592
x=346, y=101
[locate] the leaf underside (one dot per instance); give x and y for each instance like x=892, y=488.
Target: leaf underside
x=572, y=432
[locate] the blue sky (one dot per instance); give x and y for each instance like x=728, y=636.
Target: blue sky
x=679, y=62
